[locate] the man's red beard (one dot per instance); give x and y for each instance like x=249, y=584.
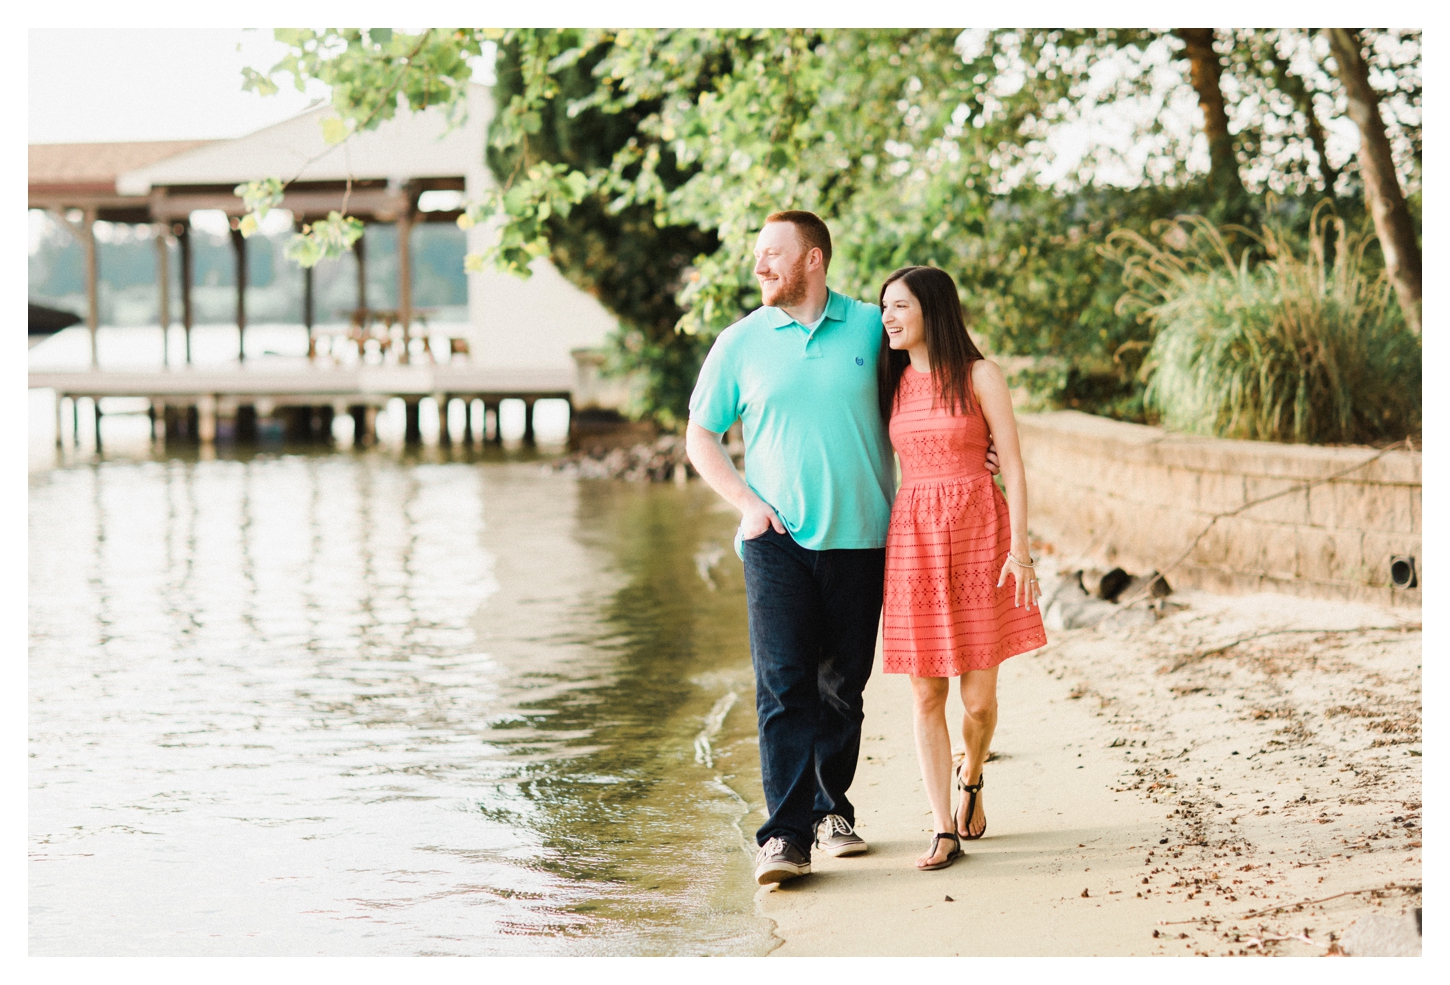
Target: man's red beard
x=791, y=289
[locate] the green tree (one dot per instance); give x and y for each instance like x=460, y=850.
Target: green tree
x=641, y=162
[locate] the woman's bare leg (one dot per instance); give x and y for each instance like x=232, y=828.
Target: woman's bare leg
x=979, y=698
x=934, y=752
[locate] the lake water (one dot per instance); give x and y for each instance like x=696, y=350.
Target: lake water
x=376, y=703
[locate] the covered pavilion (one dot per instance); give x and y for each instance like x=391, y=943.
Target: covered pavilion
x=77, y=184
x=411, y=169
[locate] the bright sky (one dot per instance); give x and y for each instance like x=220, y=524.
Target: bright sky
x=152, y=84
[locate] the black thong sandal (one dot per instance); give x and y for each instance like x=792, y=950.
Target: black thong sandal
x=972, y=789
x=952, y=856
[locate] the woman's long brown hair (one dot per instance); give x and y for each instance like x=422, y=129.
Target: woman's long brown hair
x=948, y=346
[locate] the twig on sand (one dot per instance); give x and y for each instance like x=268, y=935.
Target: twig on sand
x=1261, y=941
x=1413, y=887
x=1185, y=659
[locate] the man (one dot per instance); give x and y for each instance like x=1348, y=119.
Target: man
x=801, y=374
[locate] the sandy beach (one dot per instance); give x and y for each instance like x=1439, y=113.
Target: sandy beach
x=1153, y=791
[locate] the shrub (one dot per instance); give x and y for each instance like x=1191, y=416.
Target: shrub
x=1272, y=345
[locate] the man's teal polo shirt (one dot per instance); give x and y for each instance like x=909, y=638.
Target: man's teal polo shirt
x=816, y=449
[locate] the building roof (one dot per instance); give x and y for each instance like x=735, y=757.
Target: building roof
x=409, y=146
x=94, y=168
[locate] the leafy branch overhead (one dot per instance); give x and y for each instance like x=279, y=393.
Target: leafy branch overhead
x=372, y=73
x=641, y=162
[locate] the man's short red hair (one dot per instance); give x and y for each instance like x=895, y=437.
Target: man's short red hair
x=812, y=230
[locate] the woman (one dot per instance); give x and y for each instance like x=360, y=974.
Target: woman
x=953, y=540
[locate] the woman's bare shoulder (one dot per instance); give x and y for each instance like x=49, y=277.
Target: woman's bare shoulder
x=985, y=372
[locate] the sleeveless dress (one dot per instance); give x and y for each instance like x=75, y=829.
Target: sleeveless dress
x=943, y=613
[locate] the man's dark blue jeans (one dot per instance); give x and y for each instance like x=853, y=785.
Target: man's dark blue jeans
x=813, y=621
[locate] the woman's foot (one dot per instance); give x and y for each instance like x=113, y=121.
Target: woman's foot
x=945, y=849
x=971, y=814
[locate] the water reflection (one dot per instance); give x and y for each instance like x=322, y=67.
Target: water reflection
x=350, y=704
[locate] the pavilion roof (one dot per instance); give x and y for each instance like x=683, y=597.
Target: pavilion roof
x=94, y=168
x=409, y=146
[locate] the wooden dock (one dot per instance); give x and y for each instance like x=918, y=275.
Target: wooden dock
x=188, y=402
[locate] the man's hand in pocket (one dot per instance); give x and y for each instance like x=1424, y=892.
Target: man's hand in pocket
x=757, y=518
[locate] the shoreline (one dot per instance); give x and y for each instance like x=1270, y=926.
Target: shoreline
x=1145, y=798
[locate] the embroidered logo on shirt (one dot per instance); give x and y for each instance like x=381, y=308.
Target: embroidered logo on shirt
x=860, y=361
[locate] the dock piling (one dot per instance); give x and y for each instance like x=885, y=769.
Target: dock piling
x=239, y=250
x=245, y=431
x=445, y=403
x=183, y=242
x=412, y=434
x=472, y=414
x=362, y=424
x=322, y=424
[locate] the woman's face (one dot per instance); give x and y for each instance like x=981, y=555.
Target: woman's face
x=901, y=315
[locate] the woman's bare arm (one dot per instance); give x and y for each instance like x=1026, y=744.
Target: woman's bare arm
x=990, y=388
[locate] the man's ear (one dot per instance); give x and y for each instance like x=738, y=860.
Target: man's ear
x=817, y=256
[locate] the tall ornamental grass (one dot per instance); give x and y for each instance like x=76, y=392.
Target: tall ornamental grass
x=1292, y=348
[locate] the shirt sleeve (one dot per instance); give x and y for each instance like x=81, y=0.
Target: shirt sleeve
x=715, y=403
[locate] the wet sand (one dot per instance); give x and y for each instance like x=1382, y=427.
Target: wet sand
x=1148, y=797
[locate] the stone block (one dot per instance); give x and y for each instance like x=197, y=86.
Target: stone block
x=1405, y=596
x=1322, y=506
x=1213, y=550
x=1400, y=467
x=1245, y=546
x=1291, y=507
x=1169, y=531
x=1415, y=510
x=1260, y=548
x=1219, y=580
x=1219, y=492
x=1146, y=483
x=1371, y=506
x=1278, y=548
x=1182, y=485
x=1096, y=473
x=1101, y=474
x=1327, y=555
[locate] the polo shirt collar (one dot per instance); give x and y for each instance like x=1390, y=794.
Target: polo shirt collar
x=835, y=311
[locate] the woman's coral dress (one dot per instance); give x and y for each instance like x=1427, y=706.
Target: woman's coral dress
x=943, y=612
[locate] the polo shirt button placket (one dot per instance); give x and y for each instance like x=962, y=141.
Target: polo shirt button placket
x=813, y=348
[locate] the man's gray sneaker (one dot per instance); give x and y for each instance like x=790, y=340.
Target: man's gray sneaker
x=779, y=860
x=834, y=836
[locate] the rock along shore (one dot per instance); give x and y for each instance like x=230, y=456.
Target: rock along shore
x=661, y=460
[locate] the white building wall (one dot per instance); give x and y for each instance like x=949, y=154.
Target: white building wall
x=530, y=323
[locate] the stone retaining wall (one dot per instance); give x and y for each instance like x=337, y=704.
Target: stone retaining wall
x=1136, y=496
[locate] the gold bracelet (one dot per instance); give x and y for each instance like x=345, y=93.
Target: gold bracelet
x=1024, y=564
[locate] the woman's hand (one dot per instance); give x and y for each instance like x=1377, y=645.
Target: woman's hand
x=993, y=463
x=1026, y=590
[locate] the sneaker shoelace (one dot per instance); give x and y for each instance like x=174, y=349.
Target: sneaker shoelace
x=836, y=825
x=775, y=846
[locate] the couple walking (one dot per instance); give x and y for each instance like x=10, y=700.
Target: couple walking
x=820, y=381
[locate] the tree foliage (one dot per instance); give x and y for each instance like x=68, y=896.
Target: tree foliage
x=641, y=162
